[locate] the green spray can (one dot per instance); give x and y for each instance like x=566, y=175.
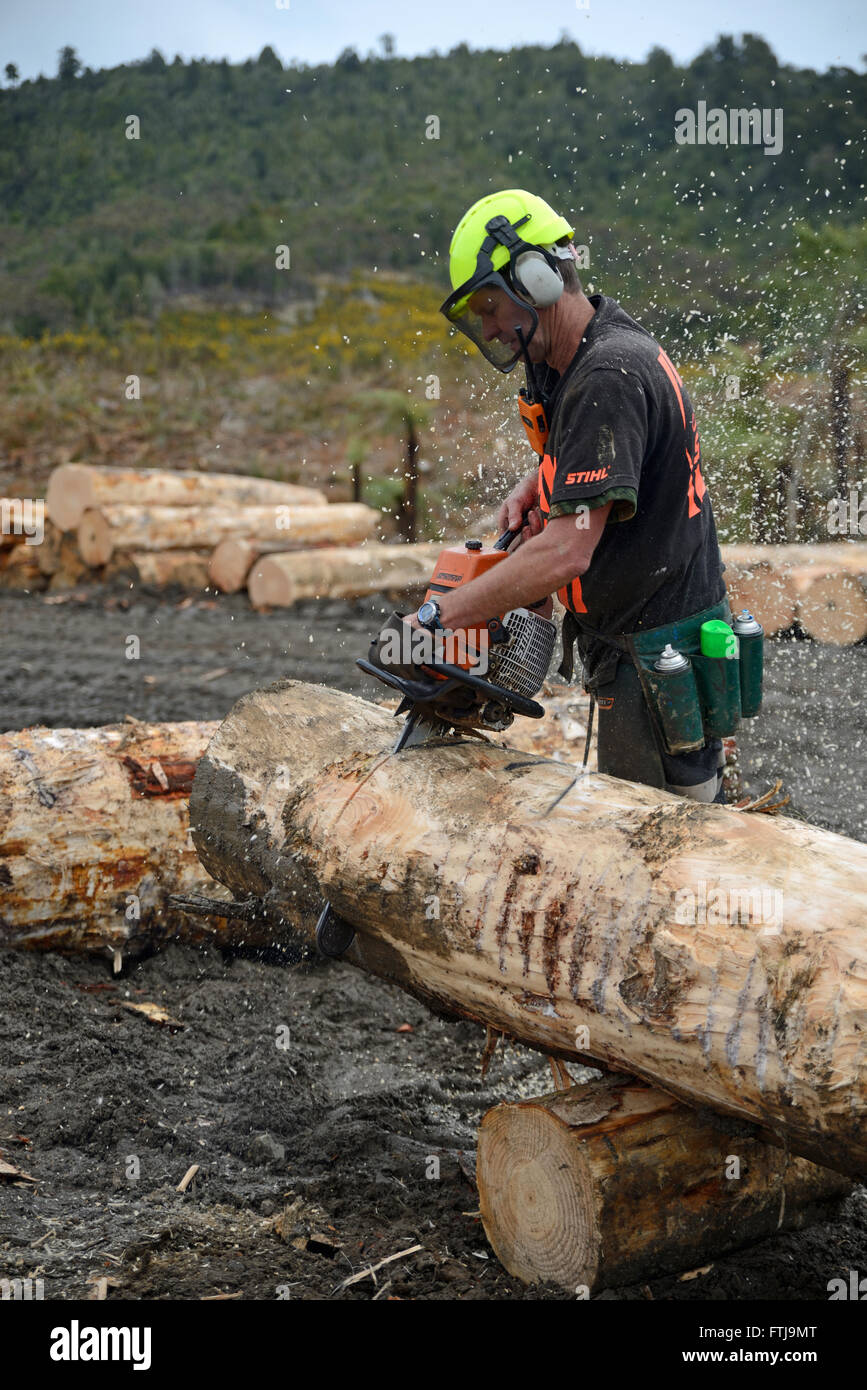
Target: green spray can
x=751, y=636
x=717, y=672
x=677, y=706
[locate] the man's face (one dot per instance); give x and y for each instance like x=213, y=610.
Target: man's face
x=500, y=315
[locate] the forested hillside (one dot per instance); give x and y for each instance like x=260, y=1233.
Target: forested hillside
x=336, y=162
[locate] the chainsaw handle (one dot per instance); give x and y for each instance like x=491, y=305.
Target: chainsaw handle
x=507, y=537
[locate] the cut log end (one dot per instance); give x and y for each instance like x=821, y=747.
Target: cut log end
x=832, y=607
x=95, y=541
x=614, y=1182
x=536, y=1197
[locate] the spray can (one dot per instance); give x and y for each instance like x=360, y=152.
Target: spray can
x=677, y=705
x=751, y=636
x=717, y=672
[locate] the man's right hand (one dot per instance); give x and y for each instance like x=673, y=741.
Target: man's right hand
x=522, y=499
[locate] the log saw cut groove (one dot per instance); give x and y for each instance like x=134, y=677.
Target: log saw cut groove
x=563, y=901
x=613, y=1182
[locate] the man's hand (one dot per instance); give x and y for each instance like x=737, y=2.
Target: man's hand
x=523, y=498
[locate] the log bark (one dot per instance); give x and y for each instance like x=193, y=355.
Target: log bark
x=280, y=580
x=612, y=1182
x=94, y=828
x=133, y=528
x=59, y=558
x=75, y=488
x=831, y=605
x=19, y=569
x=716, y=954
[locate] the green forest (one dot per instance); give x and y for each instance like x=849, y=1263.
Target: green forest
x=336, y=162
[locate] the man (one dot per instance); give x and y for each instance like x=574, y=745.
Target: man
x=616, y=519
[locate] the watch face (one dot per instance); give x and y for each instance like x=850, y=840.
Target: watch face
x=427, y=612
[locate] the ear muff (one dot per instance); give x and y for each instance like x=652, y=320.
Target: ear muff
x=537, y=279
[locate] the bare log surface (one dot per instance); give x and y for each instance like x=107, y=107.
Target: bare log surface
x=133, y=528
x=612, y=1182
x=773, y=581
x=830, y=554
x=281, y=580
x=94, y=829
x=831, y=605
x=75, y=488
x=718, y=955
x=768, y=593
x=187, y=568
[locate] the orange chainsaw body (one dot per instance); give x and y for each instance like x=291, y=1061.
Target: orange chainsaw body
x=457, y=565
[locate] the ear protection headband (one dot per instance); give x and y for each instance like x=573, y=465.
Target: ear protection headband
x=533, y=271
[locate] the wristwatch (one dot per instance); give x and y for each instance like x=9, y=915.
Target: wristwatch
x=429, y=614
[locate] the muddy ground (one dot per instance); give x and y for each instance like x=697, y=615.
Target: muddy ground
x=312, y=1118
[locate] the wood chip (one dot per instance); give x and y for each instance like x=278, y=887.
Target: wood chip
x=217, y=672
x=370, y=1272
x=218, y=1297
x=101, y=1284
x=154, y=1013
x=187, y=1178
x=9, y=1170
x=694, y=1273
x=157, y=770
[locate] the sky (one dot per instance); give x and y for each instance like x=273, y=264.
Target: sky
x=106, y=33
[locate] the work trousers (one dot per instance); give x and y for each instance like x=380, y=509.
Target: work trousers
x=628, y=745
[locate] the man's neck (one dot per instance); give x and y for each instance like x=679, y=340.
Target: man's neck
x=569, y=324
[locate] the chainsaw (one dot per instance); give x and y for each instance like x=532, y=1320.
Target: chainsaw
x=494, y=671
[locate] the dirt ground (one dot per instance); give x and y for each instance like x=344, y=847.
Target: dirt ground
x=312, y=1118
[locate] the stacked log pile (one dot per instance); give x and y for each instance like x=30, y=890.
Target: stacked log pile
x=819, y=587
x=284, y=543
x=161, y=527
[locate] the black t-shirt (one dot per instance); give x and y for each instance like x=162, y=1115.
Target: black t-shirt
x=622, y=428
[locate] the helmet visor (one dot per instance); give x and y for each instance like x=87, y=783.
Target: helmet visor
x=495, y=335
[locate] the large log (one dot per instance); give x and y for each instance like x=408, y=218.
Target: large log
x=159, y=568
x=831, y=605
x=75, y=488
x=851, y=555
x=772, y=582
x=132, y=528
x=719, y=955
x=281, y=580
x=611, y=1182
x=94, y=836
x=231, y=561
x=768, y=593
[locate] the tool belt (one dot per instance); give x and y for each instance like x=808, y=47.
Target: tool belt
x=704, y=700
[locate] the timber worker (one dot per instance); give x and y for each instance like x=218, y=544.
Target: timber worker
x=617, y=518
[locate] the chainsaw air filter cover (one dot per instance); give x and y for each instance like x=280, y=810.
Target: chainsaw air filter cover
x=522, y=663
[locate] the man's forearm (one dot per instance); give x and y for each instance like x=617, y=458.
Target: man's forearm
x=538, y=568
